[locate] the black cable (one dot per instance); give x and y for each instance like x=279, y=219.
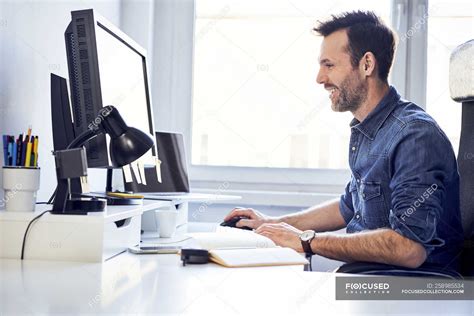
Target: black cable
x=26, y=232
x=51, y=199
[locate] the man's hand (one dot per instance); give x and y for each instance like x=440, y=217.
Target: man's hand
x=282, y=234
x=255, y=217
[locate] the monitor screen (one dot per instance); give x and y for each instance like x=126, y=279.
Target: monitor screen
x=122, y=82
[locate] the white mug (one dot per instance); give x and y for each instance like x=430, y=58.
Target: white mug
x=20, y=185
x=166, y=222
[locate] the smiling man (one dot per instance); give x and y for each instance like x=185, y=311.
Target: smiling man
x=401, y=205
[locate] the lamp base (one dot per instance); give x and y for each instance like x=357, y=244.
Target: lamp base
x=123, y=201
x=116, y=198
x=82, y=207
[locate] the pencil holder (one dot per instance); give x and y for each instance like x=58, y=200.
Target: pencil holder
x=20, y=185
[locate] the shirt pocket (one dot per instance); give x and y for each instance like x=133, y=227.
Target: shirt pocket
x=372, y=205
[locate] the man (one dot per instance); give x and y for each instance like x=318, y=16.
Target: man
x=401, y=205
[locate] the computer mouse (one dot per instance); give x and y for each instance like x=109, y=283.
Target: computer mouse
x=233, y=221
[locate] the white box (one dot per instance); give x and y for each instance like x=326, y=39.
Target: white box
x=91, y=238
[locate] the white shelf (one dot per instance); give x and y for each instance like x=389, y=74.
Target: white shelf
x=95, y=237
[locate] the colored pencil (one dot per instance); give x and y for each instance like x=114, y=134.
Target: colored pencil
x=28, y=154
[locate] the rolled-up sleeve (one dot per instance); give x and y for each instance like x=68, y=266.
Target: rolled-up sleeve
x=420, y=169
x=345, y=204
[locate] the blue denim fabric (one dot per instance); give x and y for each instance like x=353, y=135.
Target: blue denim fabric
x=404, y=177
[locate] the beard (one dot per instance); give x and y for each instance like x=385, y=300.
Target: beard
x=352, y=92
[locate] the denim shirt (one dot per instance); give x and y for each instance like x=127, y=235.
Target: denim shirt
x=404, y=177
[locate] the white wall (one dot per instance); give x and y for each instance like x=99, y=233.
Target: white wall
x=173, y=34
x=31, y=47
x=136, y=19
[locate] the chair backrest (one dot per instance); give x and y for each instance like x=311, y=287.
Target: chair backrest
x=461, y=85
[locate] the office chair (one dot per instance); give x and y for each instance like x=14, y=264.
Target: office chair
x=461, y=84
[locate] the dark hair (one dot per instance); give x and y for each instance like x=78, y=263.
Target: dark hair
x=366, y=33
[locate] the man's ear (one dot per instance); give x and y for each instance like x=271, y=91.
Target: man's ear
x=367, y=64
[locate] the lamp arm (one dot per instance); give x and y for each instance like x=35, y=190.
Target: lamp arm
x=84, y=137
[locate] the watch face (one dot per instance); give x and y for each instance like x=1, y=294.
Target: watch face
x=307, y=235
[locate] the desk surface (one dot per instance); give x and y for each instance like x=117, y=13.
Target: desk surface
x=159, y=284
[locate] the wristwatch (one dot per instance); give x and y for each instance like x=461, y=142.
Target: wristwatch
x=306, y=238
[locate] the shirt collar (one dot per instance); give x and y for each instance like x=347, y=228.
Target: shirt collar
x=372, y=123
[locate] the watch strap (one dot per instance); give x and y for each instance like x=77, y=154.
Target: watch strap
x=307, y=246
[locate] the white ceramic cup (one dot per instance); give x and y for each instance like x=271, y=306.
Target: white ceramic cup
x=166, y=222
x=20, y=185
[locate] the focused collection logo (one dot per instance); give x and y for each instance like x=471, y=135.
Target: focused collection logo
x=367, y=288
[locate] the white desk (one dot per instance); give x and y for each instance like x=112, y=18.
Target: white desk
x=159, y=284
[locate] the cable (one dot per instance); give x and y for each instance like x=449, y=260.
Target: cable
x=51, y=199
x=26, y=232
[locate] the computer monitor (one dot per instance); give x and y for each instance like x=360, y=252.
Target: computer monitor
x=106, y=67
x=63, y=130
x=173, y=167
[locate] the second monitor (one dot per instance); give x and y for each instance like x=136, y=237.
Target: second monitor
x=106, y=67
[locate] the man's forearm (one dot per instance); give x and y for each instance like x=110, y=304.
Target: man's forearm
x=324, y=217
x=381, y=245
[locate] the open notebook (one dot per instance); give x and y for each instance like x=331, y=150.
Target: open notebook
x=232, y=247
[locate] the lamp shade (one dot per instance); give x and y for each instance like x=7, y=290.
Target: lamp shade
x=127, y=144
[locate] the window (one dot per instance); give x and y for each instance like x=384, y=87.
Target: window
x=258, y=119
x=256, y=102
x=450, y=24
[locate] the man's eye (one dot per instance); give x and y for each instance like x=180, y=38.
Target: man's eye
x=329, y=65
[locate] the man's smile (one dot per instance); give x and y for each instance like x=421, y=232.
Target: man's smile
x=332, y=91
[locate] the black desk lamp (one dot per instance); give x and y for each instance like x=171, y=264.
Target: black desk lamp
x=127, y=144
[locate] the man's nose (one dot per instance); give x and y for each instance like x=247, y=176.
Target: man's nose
x=321, y=77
